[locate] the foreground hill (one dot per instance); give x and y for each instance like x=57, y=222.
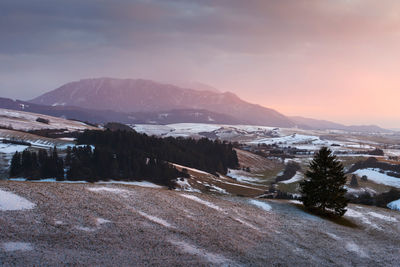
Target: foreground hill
x=129, y=95
x=94, y=224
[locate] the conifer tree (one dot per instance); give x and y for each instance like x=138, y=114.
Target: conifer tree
x=323, y=189
x=16, y=167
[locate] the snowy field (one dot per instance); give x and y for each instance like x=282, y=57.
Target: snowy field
x=20, y=120
x=381, y=178
x=71, y=224
x=283, y=137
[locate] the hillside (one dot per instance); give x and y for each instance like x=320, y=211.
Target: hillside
x=129, y=95
x=21, y=120
x=97, y=224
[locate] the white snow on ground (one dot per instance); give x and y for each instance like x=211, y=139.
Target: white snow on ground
x=353, y=247
x=383, y=217
x=292, y=139
x=11, y=201
x=47, y=180
x=356, y=214
x=190, y=169
x=333, y=236
x=199, y=200
x=11, y=148
x=17, y=246
x=100, y=221
x=155, y=219
x=193, y=128
x=377, y=177
x=185, y=186
x=151, y=129
x=107, y=189
x=297, y=177
x=240, y=185
x=241, y=176
x=247, y=224
x=261, y=204
x=217, y=189
x=137, y=183
x=52, y=180
x=86, y=229
x=394, y=205
x=213, y=258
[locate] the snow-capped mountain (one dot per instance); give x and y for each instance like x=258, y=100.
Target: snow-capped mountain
x=130, y=95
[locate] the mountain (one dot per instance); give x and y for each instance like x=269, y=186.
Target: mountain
x=104, y=116
x=307, y=123
x=137, y=95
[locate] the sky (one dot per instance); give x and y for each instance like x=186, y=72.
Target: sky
x=334, y=60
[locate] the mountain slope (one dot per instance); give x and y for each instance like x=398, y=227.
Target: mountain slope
x=128, y=95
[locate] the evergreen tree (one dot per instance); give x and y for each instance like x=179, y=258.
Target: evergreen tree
x=16, y=167
x=323, y=189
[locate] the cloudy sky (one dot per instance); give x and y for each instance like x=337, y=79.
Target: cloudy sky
x=337, y=60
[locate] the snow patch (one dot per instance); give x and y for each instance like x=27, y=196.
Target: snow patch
x=242, y=176
x=353, y=247
x=394, y=205
x=11, y=201
x=213, y=258
x=137, y=183
x=297, y=177
x=377, y=177
x=155, y=219
x=383, y=217
x=185, y=186
x=86, y=229
x=199, y=200
x=364, y=219
x=17, y=246
x=100, y=221
x=261, y=204
x=107, y=189
x=11, y=148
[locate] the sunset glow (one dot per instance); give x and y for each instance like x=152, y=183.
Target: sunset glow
x=331, y=60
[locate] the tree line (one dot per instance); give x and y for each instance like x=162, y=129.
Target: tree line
x=128, y=156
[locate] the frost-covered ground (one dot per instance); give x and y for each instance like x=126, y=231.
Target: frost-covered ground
x=103, y=225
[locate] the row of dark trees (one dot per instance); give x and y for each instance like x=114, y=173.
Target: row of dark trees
x=204, y=154
x=122, y=155
x=37, y=165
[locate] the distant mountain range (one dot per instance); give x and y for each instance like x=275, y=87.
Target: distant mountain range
x=133, y=101
x=128, y=95
x=313, y=124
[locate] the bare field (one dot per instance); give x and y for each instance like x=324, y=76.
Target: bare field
x=89, y=224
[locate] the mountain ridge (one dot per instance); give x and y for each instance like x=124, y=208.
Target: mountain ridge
x=139, y=95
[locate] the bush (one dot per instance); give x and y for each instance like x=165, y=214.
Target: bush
x=42, y=120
